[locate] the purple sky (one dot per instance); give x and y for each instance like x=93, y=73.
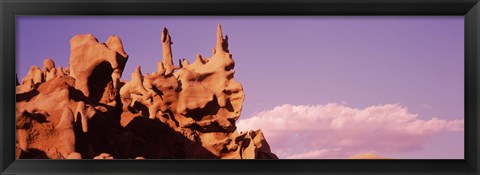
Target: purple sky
x=415, y=62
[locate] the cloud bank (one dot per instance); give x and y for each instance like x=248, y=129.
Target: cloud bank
x=337, y=131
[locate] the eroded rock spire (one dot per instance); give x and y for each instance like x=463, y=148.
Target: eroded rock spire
x=222, y=43
x=167, y=52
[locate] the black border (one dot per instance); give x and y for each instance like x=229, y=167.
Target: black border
x=10, y=8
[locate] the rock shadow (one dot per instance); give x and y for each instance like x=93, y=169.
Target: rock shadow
x=142, y=137
x=33, y=153
x=101, y=76
x=26, y=96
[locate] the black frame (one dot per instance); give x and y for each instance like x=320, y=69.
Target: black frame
x=10, y=8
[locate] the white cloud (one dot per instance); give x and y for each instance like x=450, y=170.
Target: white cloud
x=337, y=131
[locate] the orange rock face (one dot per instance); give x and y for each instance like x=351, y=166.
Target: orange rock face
x=87, y=111
x=95, y=65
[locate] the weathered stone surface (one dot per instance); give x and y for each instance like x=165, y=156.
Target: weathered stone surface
x=94, y=65
x=74, y=155
x=87, y=111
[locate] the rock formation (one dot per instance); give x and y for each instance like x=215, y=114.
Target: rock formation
x=87, y=111
x=97, y=67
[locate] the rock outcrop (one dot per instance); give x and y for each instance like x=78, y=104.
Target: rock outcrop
x=87, y=111
x=97, y=67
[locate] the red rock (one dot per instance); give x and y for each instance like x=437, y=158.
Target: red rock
x=93, y=65
x=187, y=111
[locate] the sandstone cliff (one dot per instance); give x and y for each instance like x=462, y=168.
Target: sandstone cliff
x=86, y=110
